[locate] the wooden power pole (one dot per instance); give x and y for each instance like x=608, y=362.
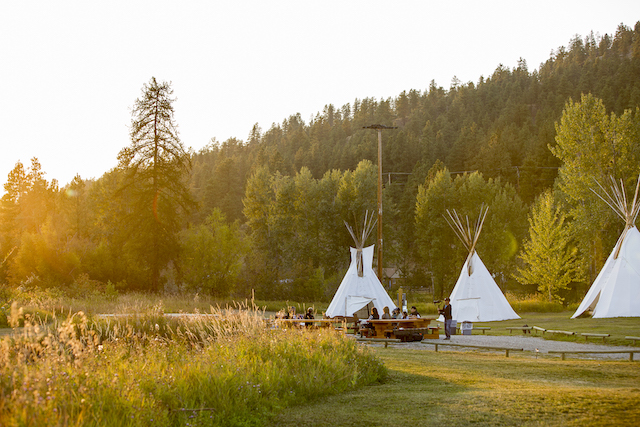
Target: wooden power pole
x=379, y=128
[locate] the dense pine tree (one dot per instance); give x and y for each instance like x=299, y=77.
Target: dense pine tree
x=154, y=167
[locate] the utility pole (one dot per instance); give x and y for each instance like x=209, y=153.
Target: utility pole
x=379, y=128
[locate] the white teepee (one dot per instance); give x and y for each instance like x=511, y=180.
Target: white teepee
x=616, y=290
x=360, y=286
x=476, y=296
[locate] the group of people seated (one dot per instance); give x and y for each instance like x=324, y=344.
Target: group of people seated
x=290, y=313
x=396, y=314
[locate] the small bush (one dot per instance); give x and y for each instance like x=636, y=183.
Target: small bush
x=533, y=304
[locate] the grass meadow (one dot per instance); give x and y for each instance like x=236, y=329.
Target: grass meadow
x=425, y=388
x=224, y=369
x=63, y=364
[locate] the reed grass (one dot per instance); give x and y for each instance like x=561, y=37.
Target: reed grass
x=222, y=368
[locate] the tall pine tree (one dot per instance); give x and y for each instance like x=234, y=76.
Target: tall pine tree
x=155, y=165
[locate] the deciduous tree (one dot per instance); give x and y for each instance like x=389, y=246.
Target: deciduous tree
x=212, y=255
x=549, y=258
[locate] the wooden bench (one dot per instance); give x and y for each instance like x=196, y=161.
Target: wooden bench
x=634, y=339
x=538, y=328
x=519, y=328
x=562, y=352
x=460, y=331
x=586, y=336
x=434, y=330
x=386, y=341
x=569, y=333
x=505, y=349
x=346, y=325
x=366, y=332
x=407, y=334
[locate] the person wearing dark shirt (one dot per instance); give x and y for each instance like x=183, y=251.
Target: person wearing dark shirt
x=414, y=313
x=309, y=316
x=446, y=312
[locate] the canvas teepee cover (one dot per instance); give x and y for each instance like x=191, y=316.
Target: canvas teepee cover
x=360, y=286
x=616, y=290
x=476, y=296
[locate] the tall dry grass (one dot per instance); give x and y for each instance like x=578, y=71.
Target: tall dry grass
x=223, y=368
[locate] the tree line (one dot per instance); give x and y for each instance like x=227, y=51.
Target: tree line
x=267, y=213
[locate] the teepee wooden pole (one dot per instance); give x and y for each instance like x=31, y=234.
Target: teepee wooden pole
x=635, y=207
x=616, y=199
x=466, y=235
x=479, y=225
x=367, y=228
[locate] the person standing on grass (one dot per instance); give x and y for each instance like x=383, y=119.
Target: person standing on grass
x=446, y=312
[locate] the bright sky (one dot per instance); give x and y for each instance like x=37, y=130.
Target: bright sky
x=70, y=71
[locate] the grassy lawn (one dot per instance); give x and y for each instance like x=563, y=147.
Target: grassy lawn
x=462, y=389
x=617, y=327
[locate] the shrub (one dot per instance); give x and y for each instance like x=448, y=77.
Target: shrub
x=535, y=303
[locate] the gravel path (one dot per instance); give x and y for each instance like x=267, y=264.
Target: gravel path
x=528, y=344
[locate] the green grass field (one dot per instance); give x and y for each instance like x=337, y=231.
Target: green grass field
x=470, y=389
x=618, y=328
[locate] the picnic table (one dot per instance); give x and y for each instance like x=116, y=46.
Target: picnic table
x=401, y=328
x=316, y=322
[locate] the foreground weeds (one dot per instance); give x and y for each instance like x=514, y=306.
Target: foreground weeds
x=225, y=368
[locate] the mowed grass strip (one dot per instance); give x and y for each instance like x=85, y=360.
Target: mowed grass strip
x=464, y=389
x=618, y=327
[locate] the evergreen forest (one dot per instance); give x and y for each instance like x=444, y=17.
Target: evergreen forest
x=266, y=214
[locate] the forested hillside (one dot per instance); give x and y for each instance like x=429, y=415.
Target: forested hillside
x=269, y=210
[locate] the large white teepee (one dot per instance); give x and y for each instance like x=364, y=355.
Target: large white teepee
x=616, y=290
x=476, y=296
x=360, y=286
